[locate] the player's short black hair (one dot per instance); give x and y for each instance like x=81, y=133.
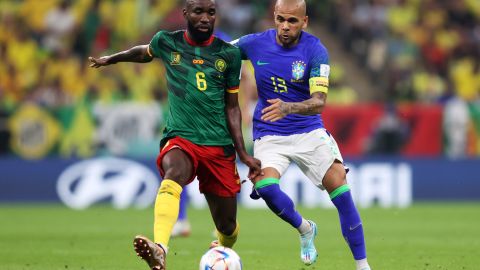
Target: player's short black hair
x=189, y=2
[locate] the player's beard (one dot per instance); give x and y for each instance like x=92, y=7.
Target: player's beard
x=291, y=41
x=197, y=35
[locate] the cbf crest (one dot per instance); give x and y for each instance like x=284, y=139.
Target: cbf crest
x=298, y=71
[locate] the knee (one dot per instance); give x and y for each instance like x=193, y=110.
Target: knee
x=178, y=175
x=335, y=177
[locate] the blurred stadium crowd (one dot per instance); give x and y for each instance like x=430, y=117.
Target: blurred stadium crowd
x=51, y=102
x=422, y=51
x=417, y=50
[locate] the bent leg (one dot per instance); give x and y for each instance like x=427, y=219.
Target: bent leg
x=278, y=201
x=178, y=171
x=281, y=204
x=224, y=214
x=351, y=224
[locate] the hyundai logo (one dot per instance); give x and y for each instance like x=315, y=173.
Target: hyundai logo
x=126, y=183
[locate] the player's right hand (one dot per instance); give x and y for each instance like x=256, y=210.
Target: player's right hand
x=99, y=62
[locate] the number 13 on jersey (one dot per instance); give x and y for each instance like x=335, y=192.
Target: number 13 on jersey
x=279, y=85
x=201, y=81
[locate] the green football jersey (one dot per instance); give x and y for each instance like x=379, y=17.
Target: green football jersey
x=198, y=77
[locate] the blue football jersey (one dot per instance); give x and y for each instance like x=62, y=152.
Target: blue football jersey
x=284, y=73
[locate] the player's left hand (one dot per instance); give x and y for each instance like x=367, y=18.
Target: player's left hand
x=100, y=62
x=254, y=165
x=276, y=111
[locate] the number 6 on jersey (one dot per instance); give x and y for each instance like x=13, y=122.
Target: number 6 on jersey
x=201, y=82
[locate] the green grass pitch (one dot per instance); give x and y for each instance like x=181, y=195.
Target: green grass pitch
x=425, y=236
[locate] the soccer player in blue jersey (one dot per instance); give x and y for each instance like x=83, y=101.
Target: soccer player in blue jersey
x=291, y=71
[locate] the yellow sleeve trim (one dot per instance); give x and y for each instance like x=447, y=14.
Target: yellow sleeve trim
x=233, y=90
x=148, y=51
x=318, y=84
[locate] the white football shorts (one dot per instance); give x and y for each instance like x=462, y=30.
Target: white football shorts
x=313, y=152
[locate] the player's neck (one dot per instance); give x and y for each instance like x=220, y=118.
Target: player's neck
x=191, y=41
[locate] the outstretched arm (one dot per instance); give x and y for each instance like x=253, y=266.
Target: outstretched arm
x=234, y=121
x=138, y=54
x=280, y=109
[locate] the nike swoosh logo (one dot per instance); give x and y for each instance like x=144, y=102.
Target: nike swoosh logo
x=260, y=63
x=354, y=227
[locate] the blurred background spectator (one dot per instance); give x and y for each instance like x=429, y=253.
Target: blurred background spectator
x=389, y=134
x=422, y=56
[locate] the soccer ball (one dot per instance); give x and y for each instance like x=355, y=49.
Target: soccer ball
x=220, y=258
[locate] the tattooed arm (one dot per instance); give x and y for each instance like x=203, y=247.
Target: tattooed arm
x=279, y=109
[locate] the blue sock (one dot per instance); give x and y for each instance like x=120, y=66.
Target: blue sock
x=182, y=213
x=352, y=229
x=278, y=201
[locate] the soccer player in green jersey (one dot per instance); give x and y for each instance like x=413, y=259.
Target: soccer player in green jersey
x=203, y=75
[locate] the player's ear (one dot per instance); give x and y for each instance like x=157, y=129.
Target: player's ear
x=305, y=22
x=185, y=13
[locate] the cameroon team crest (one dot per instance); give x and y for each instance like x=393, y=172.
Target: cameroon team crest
x=175, y=59
x=220, y=65
x=298, y=70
